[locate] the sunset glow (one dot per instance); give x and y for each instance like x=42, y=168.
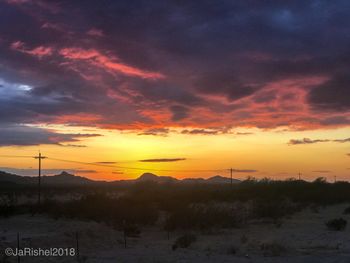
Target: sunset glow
x=175, y=89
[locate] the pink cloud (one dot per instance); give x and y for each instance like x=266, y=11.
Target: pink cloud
x=39, y=51
x=95, y=32
x=108, y=63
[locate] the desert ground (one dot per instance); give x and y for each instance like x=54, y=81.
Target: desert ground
x=302, y=237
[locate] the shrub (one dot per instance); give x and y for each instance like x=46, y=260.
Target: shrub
x=346, y=211
x=101, y=208
x=199, y=216
x=337, y=224
x=273, y=249
x=184, y=241
x=131, y=230
x=232, y=250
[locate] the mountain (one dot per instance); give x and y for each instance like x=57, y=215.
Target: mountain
x=66, y=179
x=149, y=177
x=218, y=179
x=15, y=179
x=63, y=178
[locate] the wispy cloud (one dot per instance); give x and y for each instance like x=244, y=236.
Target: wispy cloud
x=342, y=140
x=162, y=160
x=305, y=141
x=321, y=171
x=155, y=132
x=310, y=141
x=22, y=135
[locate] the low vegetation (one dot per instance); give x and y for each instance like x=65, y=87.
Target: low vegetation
x=184, y=241
x=181, y=206
x=338, y=224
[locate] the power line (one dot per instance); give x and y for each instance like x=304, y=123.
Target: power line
x=118, y=166
x=136, y=168
x=16, y=156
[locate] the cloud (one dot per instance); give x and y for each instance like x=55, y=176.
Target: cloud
x=108, y=63
x=155, y=132
x=210, y=131
x=179, y=112
x=310, y=141
x=342, y=140
x=162, y=160
x=348, y=154
x=20, y=135
x=200, y=132
x=332, y=95
x=244, y=133
x=105, y=162
x=183, y=68
x=305, y=141
x=321, y=171
x=95, y=32
x=39, y=51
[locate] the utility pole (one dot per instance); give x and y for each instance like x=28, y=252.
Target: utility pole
x=231, y=171
x=335, y=178
x=40, y=157
x=299, y=176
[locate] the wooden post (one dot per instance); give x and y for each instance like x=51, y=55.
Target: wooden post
x=18, y=257
x=124, y=238
x=40, y=157
x=77, y=245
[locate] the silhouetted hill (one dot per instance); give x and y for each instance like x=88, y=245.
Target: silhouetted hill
x=65, y=178
x=13, y=178
x=218, y=179
x=155, y=178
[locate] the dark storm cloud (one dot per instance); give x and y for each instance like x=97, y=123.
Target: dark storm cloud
x=332, y=95
x=19, y=135
x=179, y=112
x=121, y=64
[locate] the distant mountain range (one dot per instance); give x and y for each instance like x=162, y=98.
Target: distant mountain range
x=65, y=178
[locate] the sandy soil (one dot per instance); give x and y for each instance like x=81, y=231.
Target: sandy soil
x=301, y=238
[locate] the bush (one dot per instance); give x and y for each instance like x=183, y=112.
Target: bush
x=346, y=211
x=232, y=250
x=102, y=208
x=199, y=216
x=131, y=230
x=273, y=249
x=337, y=224
x=184, y=241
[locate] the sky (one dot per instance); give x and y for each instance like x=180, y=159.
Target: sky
x=112, y=89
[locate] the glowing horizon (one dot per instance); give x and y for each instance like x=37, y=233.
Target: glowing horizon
x=263, y=90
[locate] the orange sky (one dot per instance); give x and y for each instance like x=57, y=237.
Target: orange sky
x=266, y=152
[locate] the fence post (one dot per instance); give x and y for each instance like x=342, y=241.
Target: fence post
x=77, y=245
x=18, y=257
